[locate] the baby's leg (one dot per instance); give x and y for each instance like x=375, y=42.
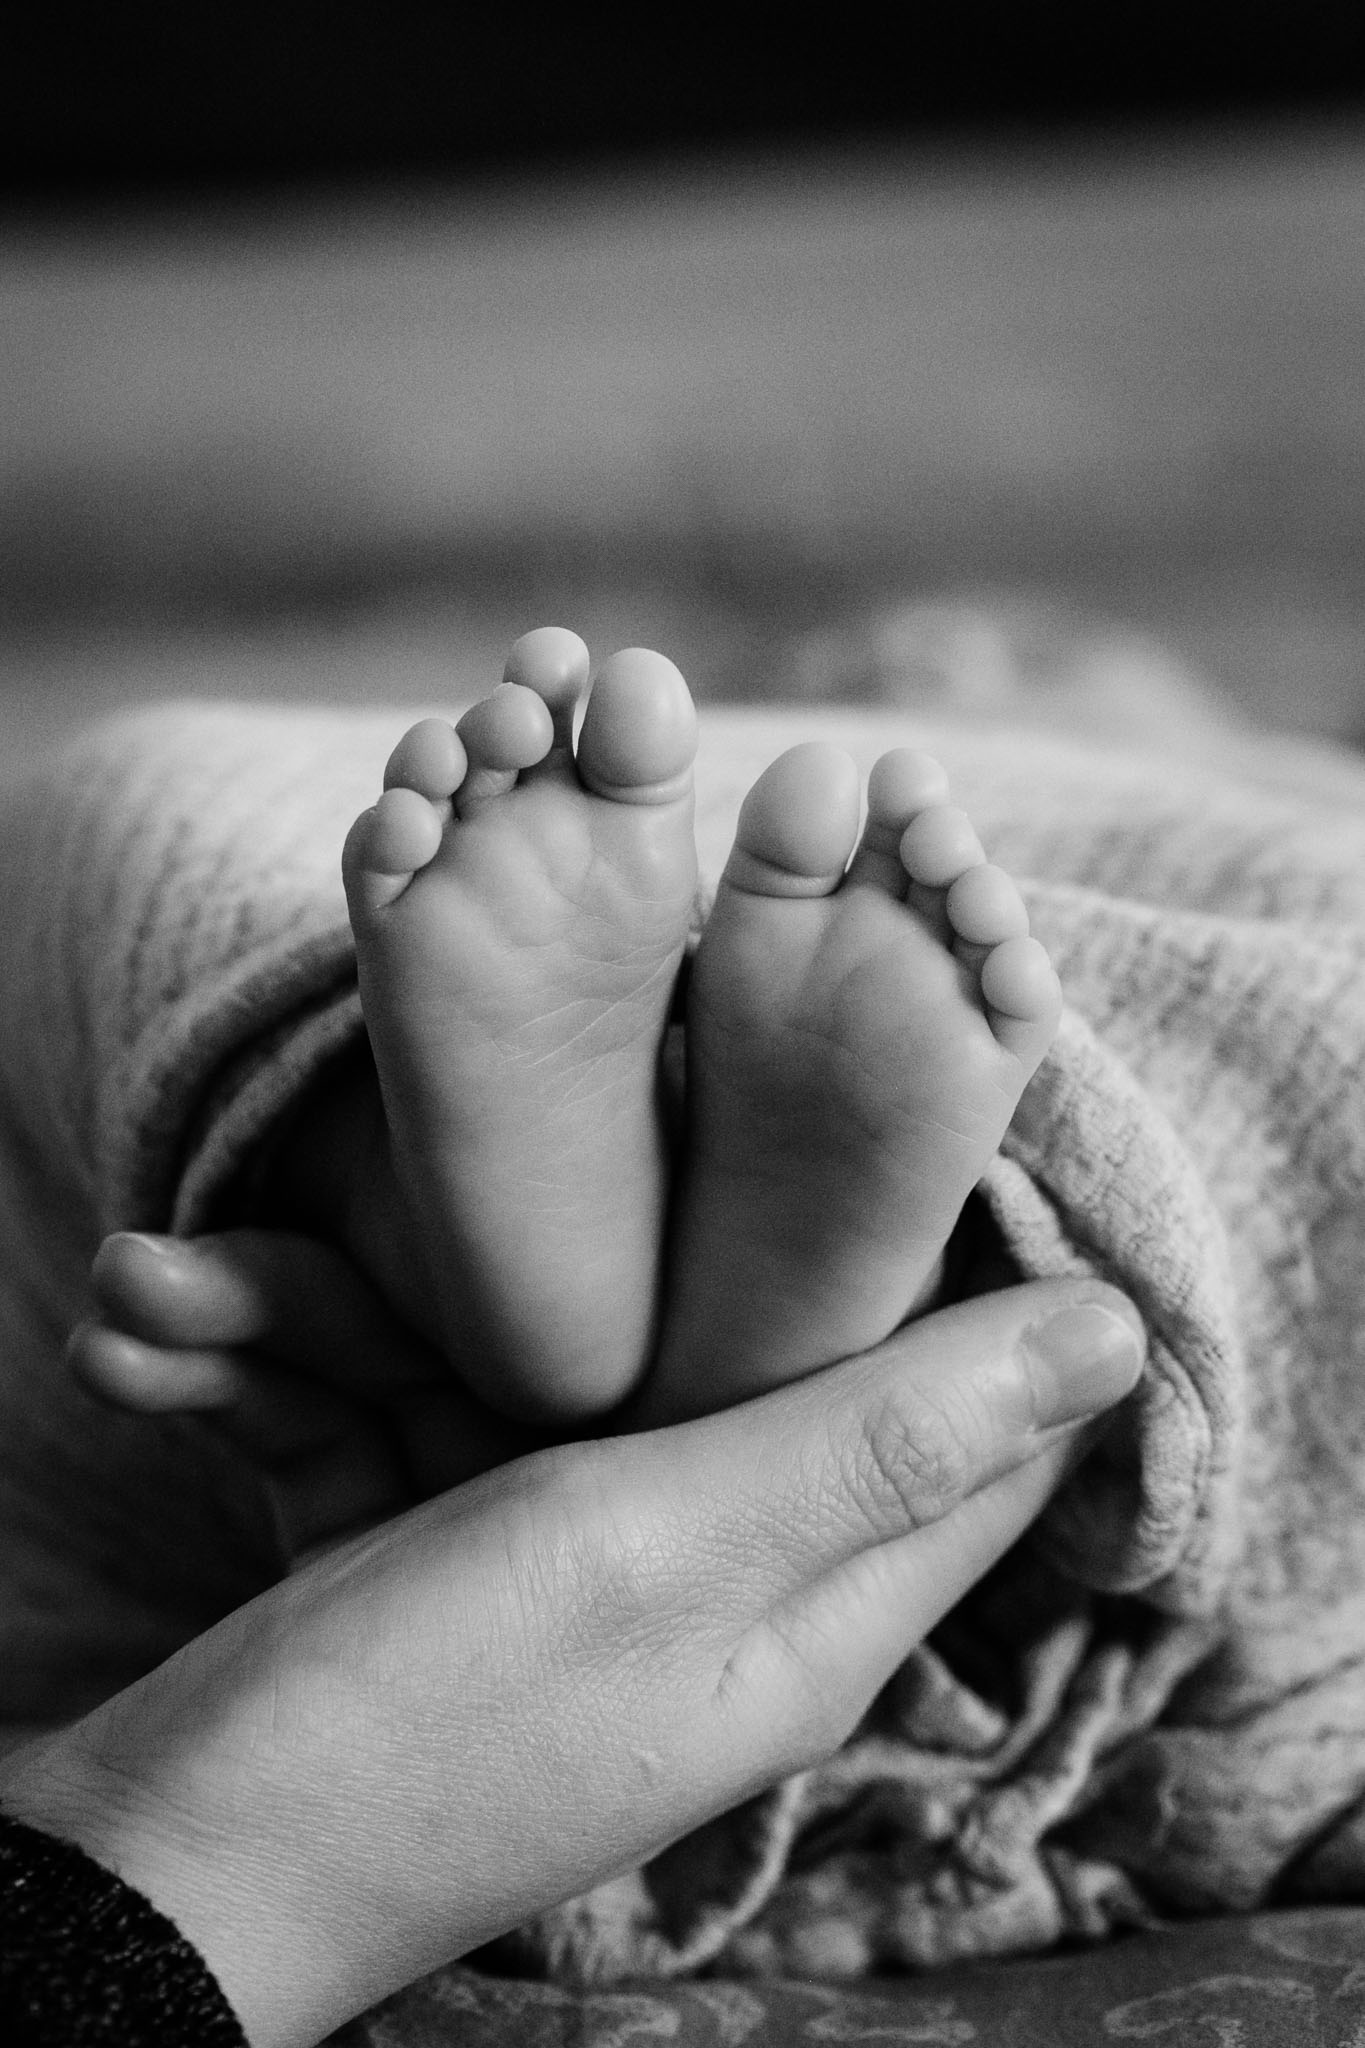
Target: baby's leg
x=520, y=910
x=858, y=1038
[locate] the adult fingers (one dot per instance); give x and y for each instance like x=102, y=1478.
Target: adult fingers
x=885, y=1446
x=424, y=1439
x=153, y=1379
x=270, y=1413
x=330, y=1463
x=286, y=1294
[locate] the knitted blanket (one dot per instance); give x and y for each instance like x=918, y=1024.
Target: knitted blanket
x=1158, y=1699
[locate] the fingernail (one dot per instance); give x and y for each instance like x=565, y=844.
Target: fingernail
x=112, y=1267
x=1082, y=1360
x=161, y=1247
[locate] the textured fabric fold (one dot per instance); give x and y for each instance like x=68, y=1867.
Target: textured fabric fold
x=1158, y=1698
x=178, y=969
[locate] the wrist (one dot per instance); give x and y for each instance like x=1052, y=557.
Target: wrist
x=197, y=1822
x=85, y=1954
x=101, y=1914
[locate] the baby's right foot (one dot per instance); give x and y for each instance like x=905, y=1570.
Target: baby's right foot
x=520, y=910
x=858, y=1038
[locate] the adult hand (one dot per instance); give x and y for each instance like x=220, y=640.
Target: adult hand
x=278, y=1343
x=544, y=1676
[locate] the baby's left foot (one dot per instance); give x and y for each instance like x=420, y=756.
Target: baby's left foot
x=858, y=1038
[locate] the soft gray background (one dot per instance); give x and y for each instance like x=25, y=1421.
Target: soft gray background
x=975, y=425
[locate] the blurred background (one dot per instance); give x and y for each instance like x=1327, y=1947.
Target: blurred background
x=1009, y=361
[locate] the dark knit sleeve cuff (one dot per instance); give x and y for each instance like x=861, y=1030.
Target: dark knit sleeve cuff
x=86, y=1959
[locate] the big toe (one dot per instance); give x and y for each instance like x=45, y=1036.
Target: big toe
x=639, y=736
x=798, y=824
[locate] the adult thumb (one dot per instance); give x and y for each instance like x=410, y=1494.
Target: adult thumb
x=892, y=1443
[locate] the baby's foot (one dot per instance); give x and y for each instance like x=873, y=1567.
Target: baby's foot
x=858, y=1037
x=520, y=911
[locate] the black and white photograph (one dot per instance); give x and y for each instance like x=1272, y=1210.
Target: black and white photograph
x=682, y=1027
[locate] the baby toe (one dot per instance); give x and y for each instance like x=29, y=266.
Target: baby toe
x=505, y=733
x=639, y=736
x=1018, y=979
x=902, y=783
x=1020, y=987
x=984, y=907
x=507, y=730
x=797, y=825
x=430, y=758
x=385, y=848
x=401, y=834
x=939, y=845
x=554, y=663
